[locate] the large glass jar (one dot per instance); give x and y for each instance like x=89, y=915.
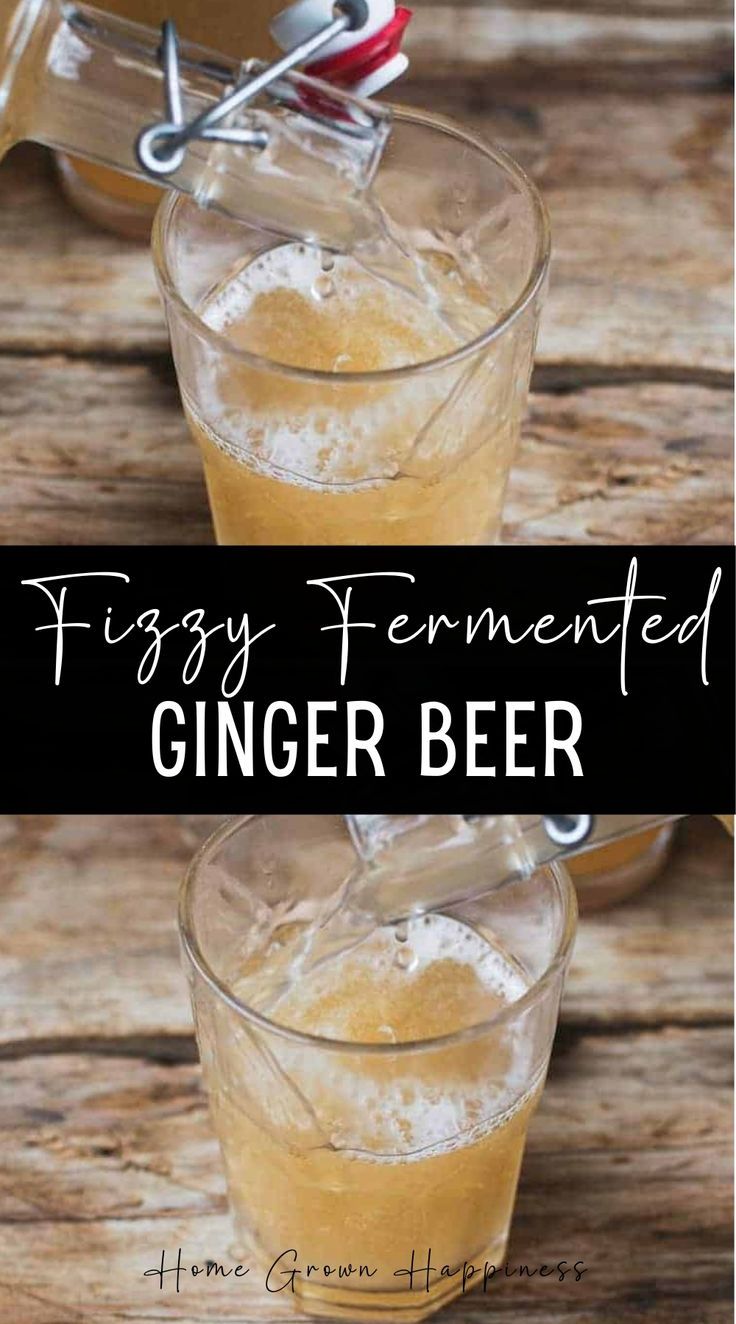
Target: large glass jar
x=611, y=873
x=235, y=27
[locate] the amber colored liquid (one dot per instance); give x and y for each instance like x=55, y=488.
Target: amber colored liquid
x=255, y=508
x=289, y=461
x=234, y=27
x=611, y=873
x=406, y=1153
x=612, y=855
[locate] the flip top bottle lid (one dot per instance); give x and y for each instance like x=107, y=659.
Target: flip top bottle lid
x=364, y=59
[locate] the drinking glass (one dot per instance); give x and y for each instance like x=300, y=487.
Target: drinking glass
x=341, y=1150
x=299, y=447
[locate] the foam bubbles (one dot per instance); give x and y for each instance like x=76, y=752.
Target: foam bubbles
x=451, y=977
x=293, y=306
x=287, y=266
x=404, y=971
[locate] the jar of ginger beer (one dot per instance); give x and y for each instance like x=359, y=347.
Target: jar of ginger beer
x=611, y=873
x=235, y=27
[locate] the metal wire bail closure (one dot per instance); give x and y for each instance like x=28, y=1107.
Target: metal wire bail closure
x=568, y=830
x=160, y=148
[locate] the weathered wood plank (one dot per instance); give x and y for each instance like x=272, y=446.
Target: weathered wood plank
x=89, y=911
x=65, y=283
x=104, y=890
x=106, y=1162
x=635, y=464
x=676, y=933
x=597, y=45
x=92, y=1137
x=94, y=452
x=81, y=418
x=664, y=9
x=93, y=511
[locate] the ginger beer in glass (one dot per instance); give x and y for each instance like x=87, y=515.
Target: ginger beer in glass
x=374, y=1104
x=374, y=394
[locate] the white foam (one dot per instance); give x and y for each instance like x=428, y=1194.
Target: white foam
x=350, y=438
x=420, y=1100
x=401, y=1113
x=298, y=268
x=311, y=452
x=287, y=266
x=437, y=937
x=426, y=1126
x=428, y=939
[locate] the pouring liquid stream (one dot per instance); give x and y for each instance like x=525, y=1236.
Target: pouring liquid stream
x=409, y=867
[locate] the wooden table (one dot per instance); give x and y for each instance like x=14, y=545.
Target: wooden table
x=621, y=111
x=106, y=1153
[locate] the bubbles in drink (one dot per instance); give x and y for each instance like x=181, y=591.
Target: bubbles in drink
x=336, y=1147
x=324, y=284
x=405, y=959
x=292, y=459
x=458, y=979
x=296, y=306
x=404, y=956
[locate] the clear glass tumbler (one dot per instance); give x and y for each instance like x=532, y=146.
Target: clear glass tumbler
x=345, y=400
x=374, y=1101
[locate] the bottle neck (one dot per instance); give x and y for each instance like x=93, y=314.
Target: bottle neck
x=85, y=82
x=429, y=861
x=18, y=22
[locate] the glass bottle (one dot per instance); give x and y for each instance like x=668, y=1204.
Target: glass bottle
x=422, y=861
x=239, y=27
x=87, y=83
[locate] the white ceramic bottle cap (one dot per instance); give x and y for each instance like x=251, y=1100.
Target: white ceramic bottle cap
x=387, y=73
x=302, y=19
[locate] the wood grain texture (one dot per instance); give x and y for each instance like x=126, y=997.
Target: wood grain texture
x=662, y=9
x=107, y=1156
x=108, y=944
x=74, y=288
x=659, y=958
x=636, y=463
x=139, y=1131
x=593, y=43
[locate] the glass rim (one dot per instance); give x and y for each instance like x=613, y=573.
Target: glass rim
x=173, y=201
x=194, y=953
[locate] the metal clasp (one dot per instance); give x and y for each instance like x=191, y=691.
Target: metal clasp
x=160, y=148
x=568, y=830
